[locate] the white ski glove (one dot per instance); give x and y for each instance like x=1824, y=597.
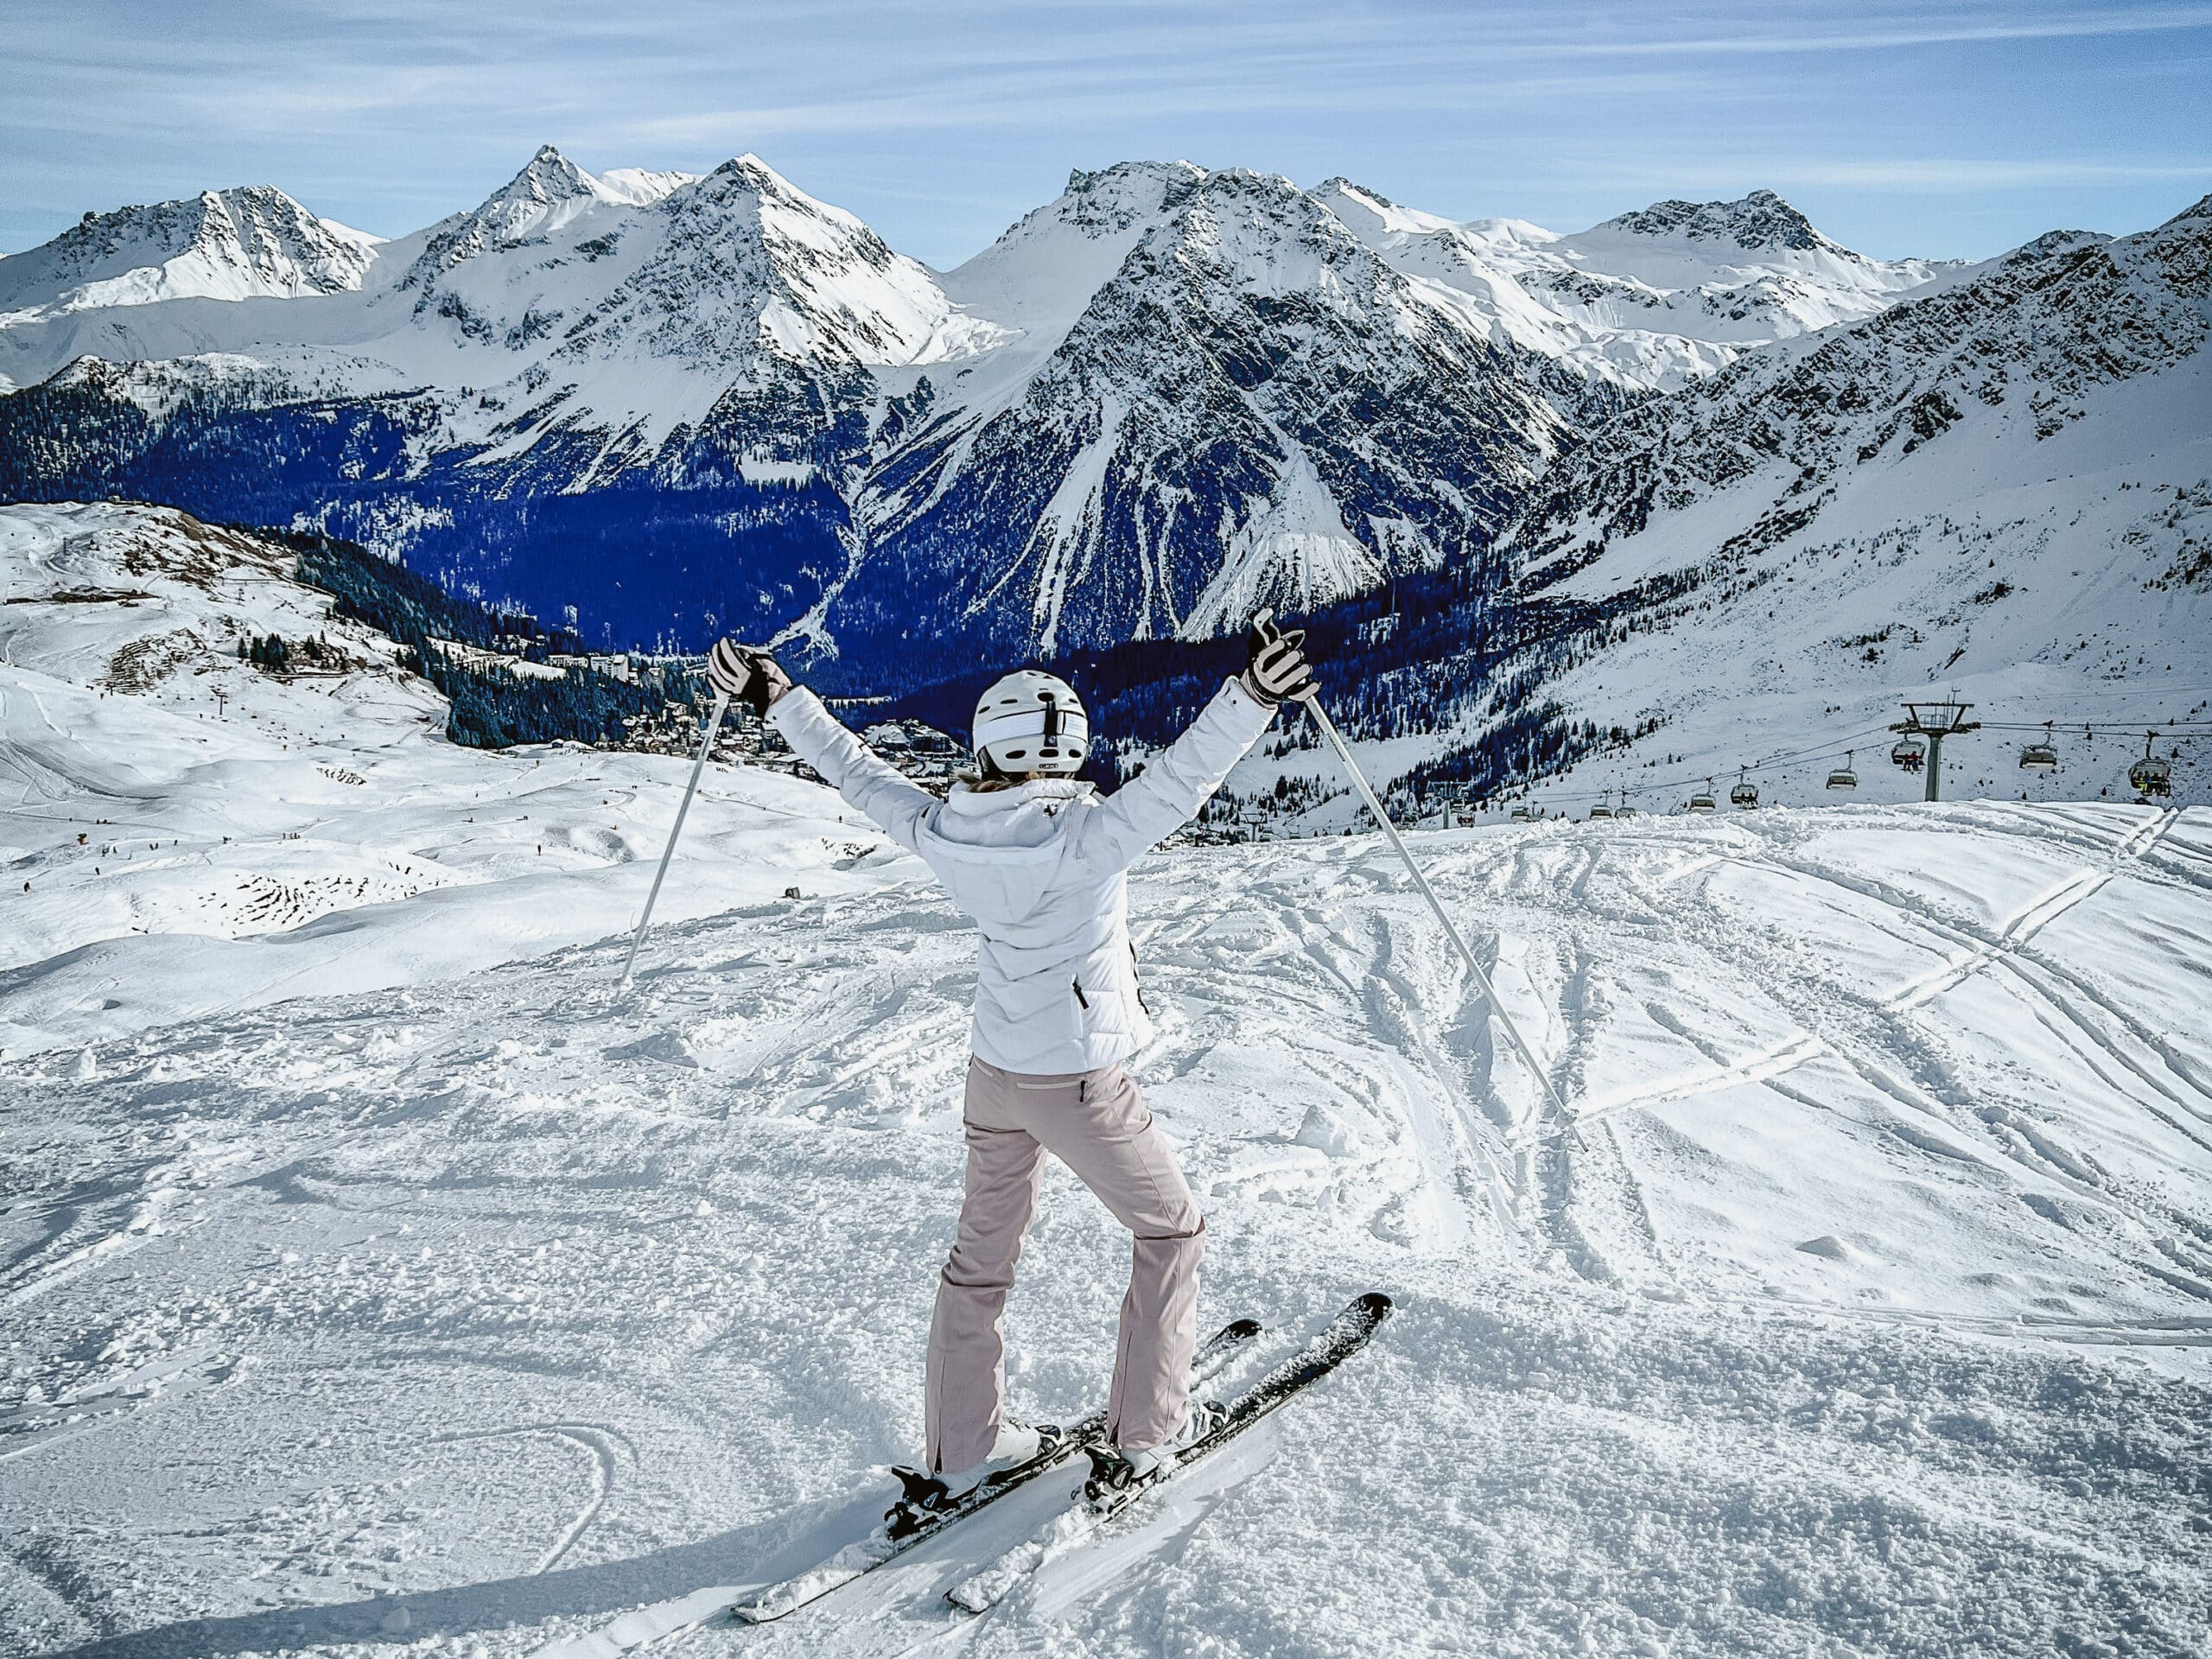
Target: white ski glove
x=746, y=674
x=1274, y=665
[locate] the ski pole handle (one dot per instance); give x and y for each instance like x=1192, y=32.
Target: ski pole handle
x=1264, y=625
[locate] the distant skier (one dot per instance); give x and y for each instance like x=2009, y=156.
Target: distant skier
x=1039, y=861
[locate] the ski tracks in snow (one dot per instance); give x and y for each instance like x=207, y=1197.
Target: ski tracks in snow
x=598, y=1443
x=678, y=1243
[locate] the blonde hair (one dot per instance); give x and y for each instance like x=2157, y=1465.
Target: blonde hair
x=981, y=783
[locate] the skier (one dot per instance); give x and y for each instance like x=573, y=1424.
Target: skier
x=1039, y=861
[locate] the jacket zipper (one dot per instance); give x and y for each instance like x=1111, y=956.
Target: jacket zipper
x=1136, y=978
x=1080, y=996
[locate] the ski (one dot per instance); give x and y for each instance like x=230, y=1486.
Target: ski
x=1108, y=1492
x=909, y=1523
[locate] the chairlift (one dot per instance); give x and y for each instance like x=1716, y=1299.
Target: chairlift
x=1601, y=810
x=1702, y=801
x=1843, y=776
x=2152, y=775
x=1747, y=794
x=2041, y=757
x=1910, y=754
x=1624, y=811
x=1521, y=814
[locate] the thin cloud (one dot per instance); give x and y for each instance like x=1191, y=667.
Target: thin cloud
x=393, y=112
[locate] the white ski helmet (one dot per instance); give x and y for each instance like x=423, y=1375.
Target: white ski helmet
x=1032, y=722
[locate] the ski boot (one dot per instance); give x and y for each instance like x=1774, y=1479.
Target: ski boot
x=1118, y=1472
x=1020, y=1446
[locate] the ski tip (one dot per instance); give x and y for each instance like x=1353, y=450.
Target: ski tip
x=1374, y=1303
x=1241, y=1330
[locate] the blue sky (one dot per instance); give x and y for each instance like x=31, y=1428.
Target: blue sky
x=1939, y=129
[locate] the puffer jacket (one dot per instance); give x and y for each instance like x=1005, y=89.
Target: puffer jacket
x=1042, y=869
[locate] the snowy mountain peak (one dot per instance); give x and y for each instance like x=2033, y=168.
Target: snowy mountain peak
x=548, y=177
x=2200, y=208
x=1114, y=198
x=1759, y=220
x=549, y=192
x=251, y=242
x=742, y=263
x=1370, y=214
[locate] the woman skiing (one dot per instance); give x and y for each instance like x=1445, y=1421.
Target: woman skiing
x=1039, y=861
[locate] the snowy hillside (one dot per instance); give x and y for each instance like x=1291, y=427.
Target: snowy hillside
x=2003, y=489
x=1859, y=1299
x=182, y=829
x=1169, y=393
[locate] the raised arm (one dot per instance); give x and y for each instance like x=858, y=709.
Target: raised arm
x=820, y=738
x=1147, y=810
x=824, y=743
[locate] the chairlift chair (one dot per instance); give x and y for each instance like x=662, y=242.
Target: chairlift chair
x=1843, y=776
x=1702, y=801
x=1520, y=813
x=1910, y=754
x=2041, y=757
x=1745, y=794
x=1601, y=810
x=2152, y=775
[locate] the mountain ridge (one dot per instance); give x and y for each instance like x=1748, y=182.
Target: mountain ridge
x=1169, y=395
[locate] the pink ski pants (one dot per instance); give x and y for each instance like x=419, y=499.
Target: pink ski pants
x=1096, y=1123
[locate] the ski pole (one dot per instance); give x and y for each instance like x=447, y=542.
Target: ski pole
x=1313, y=701
x=714, y=725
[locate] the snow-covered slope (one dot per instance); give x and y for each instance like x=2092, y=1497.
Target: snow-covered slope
x=1857, y=1300
x=2005, y=487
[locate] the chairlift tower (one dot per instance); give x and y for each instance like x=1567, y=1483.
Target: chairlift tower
x=1935, y=721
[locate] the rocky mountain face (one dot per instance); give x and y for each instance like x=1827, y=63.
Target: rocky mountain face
x=685, y=403
x=1760, y=222
x=1253, y=408
x=2022, y=350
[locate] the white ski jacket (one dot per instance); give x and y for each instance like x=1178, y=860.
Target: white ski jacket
x=1042, y=869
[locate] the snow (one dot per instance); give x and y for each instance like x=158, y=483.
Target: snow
x=385, y=1282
